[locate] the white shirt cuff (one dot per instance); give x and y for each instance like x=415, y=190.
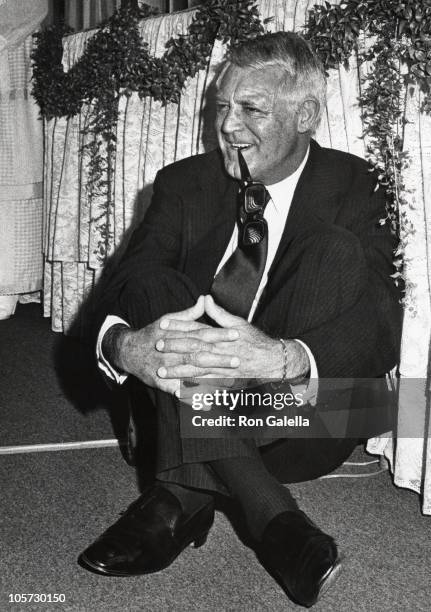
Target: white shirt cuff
x=102, y=362
x=310, y=390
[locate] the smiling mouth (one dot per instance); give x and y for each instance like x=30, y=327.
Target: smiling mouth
x=240, y=146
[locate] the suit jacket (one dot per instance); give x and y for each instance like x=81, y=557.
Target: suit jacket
x=189, y=224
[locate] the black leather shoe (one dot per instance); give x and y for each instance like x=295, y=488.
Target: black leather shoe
x=152, y=532
x=300, y=556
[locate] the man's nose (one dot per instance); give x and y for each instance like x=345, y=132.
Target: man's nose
x=231, y=121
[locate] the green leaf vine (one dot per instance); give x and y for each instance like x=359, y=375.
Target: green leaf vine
x=393, y=37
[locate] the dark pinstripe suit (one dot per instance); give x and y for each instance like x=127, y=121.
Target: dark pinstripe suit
x=329, y=284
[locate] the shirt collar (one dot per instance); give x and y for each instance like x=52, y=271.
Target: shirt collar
x=286, y=186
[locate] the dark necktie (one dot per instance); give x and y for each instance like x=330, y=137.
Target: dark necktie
x=236, y=284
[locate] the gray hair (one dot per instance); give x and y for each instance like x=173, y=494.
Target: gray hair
x=304, y=75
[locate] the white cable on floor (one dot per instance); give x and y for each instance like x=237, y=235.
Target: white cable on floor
x=353, y=475
x=360, y=462
x=60, y=446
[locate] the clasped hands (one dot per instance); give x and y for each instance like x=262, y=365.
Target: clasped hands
x=179, y=346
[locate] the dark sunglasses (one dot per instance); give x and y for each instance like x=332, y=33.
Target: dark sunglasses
x=253, y=199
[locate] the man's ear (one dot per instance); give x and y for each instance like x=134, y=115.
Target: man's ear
x=307, y=115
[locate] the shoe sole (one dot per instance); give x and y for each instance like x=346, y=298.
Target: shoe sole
x=329, y=578
x=326, y=582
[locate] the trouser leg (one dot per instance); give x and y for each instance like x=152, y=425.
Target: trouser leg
x=143, y=301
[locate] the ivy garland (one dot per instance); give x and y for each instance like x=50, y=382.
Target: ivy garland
x=116, y=58
x=116, y=62
x=394, y=37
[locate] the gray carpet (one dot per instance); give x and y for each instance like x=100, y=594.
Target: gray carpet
x=49, y=387
x=54, y=504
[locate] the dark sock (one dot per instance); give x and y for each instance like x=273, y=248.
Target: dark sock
x=260, y=495
x=190, y=499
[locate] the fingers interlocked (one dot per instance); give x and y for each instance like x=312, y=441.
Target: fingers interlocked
x=197, y=357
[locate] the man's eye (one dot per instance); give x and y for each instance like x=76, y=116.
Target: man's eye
x=220, y=106
x=252, y=110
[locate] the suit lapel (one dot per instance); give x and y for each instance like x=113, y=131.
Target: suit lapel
x=211, y=220
x=314, y=204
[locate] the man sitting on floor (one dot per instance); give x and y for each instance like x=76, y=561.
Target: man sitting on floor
x=294, y=285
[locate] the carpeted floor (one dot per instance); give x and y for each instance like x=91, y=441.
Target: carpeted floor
x=54, y=504
x=49, y=387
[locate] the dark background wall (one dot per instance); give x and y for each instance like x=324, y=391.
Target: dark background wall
x=84, y=14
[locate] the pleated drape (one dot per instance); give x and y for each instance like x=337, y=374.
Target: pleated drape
x=21, y=152
x=151, y=136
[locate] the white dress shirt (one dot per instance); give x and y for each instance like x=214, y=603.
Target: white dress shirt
x=275, y=214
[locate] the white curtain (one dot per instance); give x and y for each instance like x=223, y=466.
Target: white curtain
x=150, y=136
x=410, y=453
x=21, y=151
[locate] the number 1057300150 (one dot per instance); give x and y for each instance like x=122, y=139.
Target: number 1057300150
x=37, y=597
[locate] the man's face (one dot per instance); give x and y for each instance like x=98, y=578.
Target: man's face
x=252, y=116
